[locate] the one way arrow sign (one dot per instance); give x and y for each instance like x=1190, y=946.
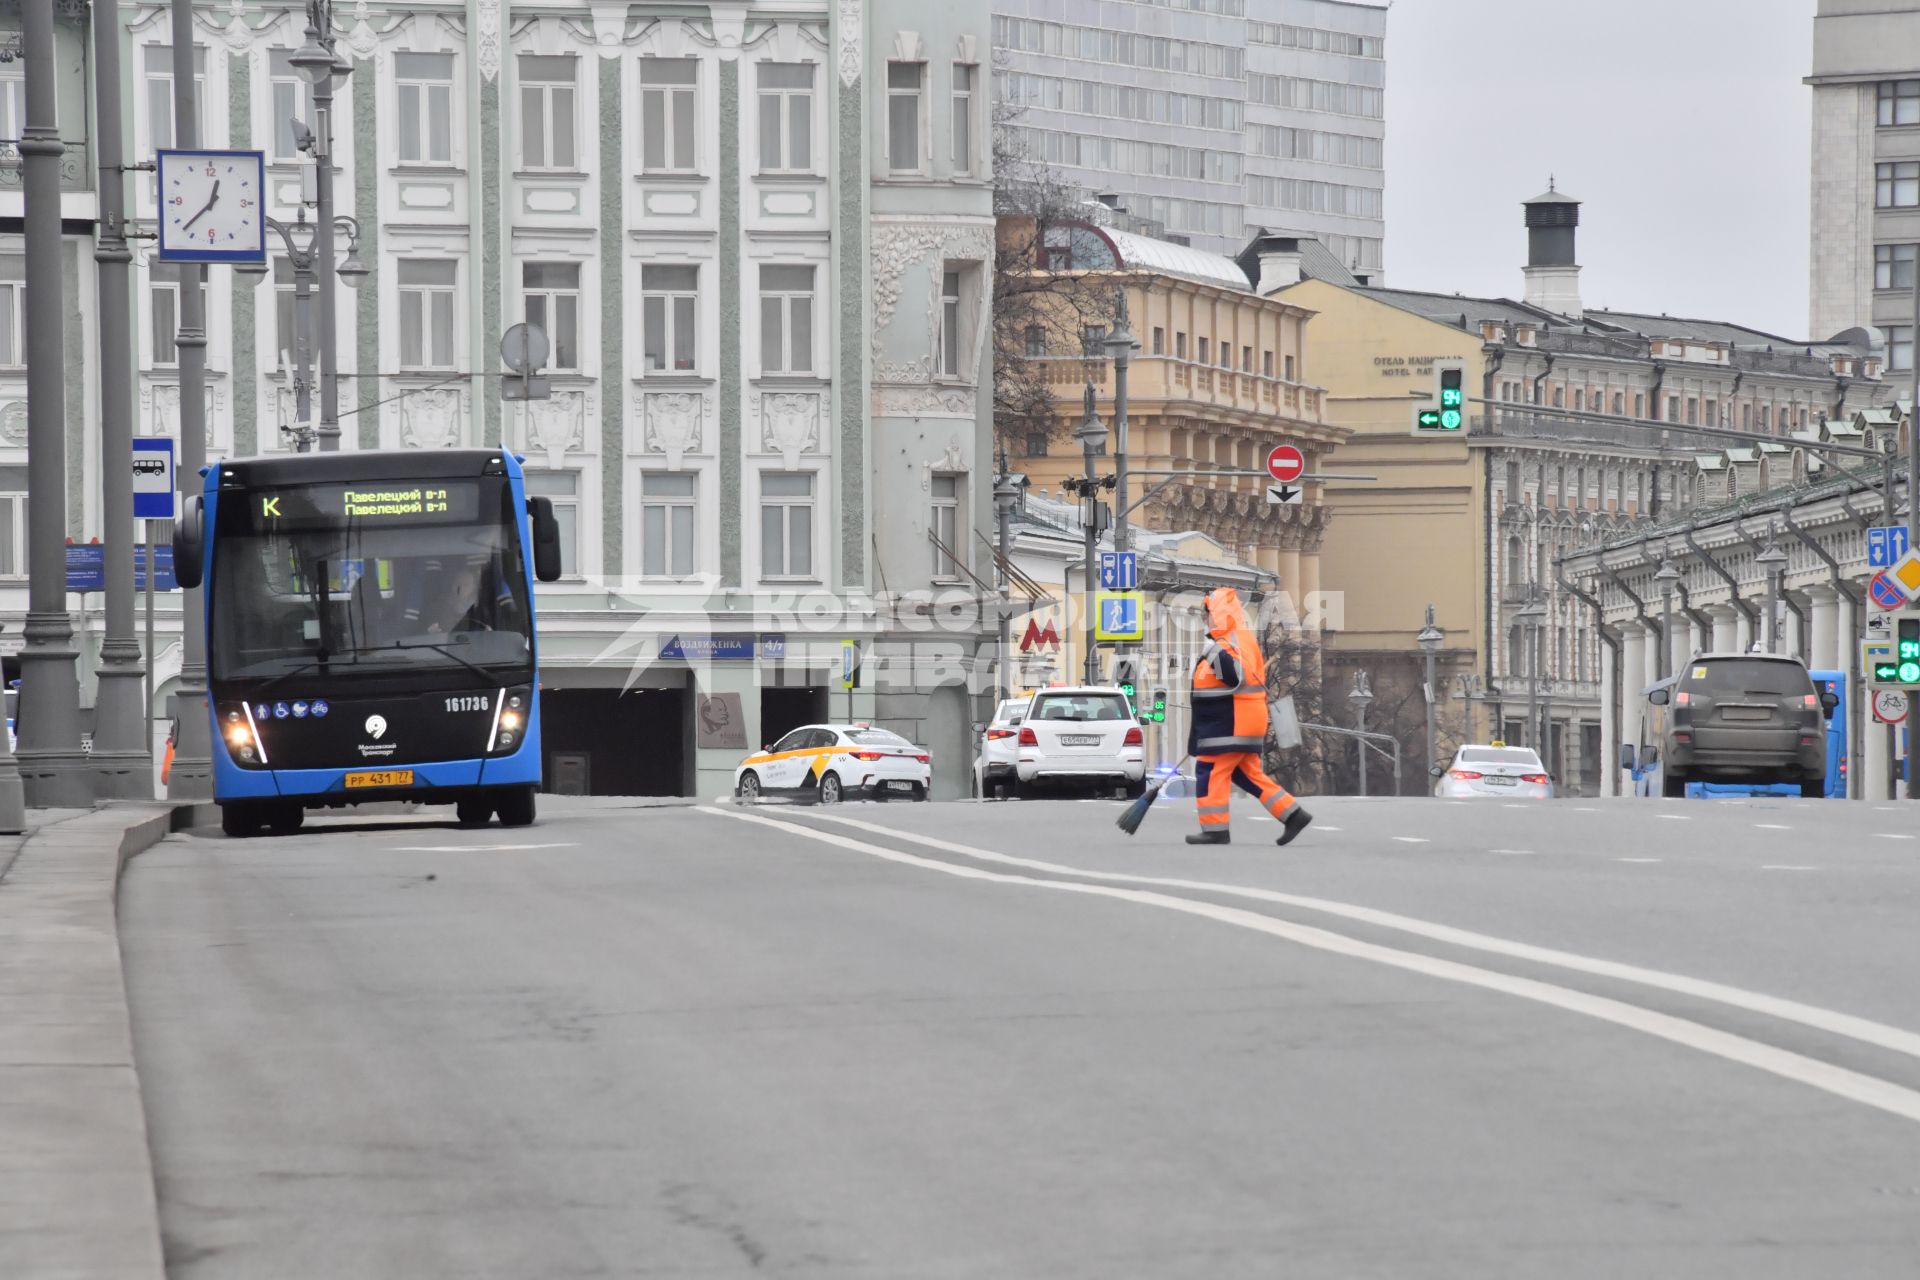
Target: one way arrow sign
x=1286, y=495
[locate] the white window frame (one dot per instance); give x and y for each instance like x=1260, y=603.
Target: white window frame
x=13, y=106
x=672, y=101
x=153, y=56
x=786, y=504
x=789, y=357
x=669, y=504
x=950, y=354
x=675, y=317
x=423, y=90
x=559, y=107
x=1899, y=338
x=945, y=521
x=286, y=307
x=917, y=94
x=429, y=295
x=13, y=306
x=13, y=514
x=783, y=100
x=566, y=510
x=962, y=128
x=1887, y=261
x=159, y=285
x=285, y=81
x=553, y=301
x=1900, y=177
x=1890, y=96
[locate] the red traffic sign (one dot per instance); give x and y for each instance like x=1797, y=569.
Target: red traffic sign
x=1889, y=706
x=1286, y=463
x=1886, y=592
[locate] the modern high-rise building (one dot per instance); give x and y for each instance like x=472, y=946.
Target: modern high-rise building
x=1866, y=169
x=1212, y=118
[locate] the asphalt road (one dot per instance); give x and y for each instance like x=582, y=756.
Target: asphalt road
x=1002, y=1040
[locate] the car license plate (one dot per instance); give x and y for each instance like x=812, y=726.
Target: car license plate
x=1079, y=739
x=1495, y=780
x=380, y=778
x=900, y=786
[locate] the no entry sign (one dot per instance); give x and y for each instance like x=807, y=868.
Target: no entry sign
x=1286, y=463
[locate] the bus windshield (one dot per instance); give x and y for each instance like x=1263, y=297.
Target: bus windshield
x=363, y=578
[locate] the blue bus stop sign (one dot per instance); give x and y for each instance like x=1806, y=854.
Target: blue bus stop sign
x=153, y=478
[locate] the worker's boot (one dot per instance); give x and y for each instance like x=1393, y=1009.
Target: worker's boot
x=1211, y=836
x=1293, y=824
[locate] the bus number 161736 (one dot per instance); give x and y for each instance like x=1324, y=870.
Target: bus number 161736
x=470, y=702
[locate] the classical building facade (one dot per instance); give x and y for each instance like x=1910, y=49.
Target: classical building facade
x=758, y=236
x=1866, y=170
x=1209, y=117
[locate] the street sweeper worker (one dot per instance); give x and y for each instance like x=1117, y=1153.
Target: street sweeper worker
x=1229, y=724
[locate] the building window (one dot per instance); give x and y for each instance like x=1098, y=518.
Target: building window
x=667, y=523
x=1893, y=264
x=13, y=310
x=1559, y=397
x=13, y=108
x=1036, y=444
x=292, y=100
x=1899, y=102
x=1897, y=185
x=786, y=524
x=668, y=115
x=1639, y=404
x=550, y=298
x=786, y=319
x=13, y=522
x=951, y=345
x=786, y=117
x=1619, y=403
x=163, y=286
x=904, y=86
x=668, y=304
x=1693, y=411
x=562, y=489
x=1036, y=338
x=1201, y=349
x=1766, y=417
x=426, y=314
x=286, y=332
x=1226, y=354
x=1246, y=359
x=424, y=83
x=1673, y=408
x=547, y=116
x=1746, y=416
x=945, y=523
x=1179, y=346
x=966, y=78
x=1710, y=413
x=1579, y=399
x=156, y=63
x=1900, y=348
x=1159, y=347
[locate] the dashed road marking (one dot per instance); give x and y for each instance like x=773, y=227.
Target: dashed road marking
x=1771, y=826
x=1838, y=1081
x=1411, y=839
x=1514, y=853
x=1785, y=866
x=1636, y=859
x=1676, y=817
x=479, y=848
x=1892, y=835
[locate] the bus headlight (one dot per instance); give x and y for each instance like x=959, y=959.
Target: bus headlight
x=516, y=707
x=243, y=737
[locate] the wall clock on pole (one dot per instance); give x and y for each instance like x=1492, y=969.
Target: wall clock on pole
x=211, y=206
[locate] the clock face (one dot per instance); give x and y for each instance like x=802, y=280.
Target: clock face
x=210, y=206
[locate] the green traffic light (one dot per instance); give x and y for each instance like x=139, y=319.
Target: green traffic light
x=1910, y=673
x=1450, y=420
x=1450, y=398
x=1429, y=420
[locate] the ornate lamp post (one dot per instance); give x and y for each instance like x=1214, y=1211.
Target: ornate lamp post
x=1361, y=698
x=1430, y=640
x=1092, y=435
x=300, y=239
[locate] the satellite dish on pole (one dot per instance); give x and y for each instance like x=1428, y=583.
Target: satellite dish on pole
x=524, y=349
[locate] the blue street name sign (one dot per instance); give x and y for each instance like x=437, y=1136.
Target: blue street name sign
x=1886, y=544
x=721, y=648
x=1119, y=570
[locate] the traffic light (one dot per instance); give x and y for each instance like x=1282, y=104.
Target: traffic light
x=1897, y=666
x=1158, y=712
x=1126, y=674
x=1449, y=414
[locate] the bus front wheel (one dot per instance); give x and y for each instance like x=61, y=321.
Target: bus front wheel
x=285, y=819
x=516, y=807
x=473, y=813
x=239, y=821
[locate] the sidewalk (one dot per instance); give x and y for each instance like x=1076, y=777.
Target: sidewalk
x=76, y=1179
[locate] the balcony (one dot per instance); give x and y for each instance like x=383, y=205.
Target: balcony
x=76, y=169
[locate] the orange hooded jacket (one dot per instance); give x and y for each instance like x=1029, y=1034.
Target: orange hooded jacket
x=1229, y=683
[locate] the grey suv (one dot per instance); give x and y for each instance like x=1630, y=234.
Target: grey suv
x=1743, y=717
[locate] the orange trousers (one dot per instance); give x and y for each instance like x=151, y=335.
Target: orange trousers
x=1214, y=779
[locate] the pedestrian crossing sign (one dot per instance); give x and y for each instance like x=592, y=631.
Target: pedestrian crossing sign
x=1119, y=616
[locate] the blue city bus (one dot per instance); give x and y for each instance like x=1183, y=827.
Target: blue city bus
x=370, y=632
x=1834, y=682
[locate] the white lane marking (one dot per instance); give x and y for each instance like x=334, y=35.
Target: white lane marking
x=1411, y=839
x=1318, y=827
x=1675, y=817
x=1515, y=853
x=1783, y=1063
x=476, y=848
x=1893, y=835
x=1636, y=859
x=1784, y=866
x=1585, y=808
x=1516, y=806
x=1771, y=826
x=1849, y=1025
x=1886, y=808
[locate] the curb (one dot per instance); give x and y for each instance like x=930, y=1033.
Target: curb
x=76, y=1175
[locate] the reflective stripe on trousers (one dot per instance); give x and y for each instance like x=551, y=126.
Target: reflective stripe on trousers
x=1215, y=776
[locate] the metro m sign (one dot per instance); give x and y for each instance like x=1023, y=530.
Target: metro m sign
x=1041, y=637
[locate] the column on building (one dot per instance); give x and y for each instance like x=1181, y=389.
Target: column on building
x=1846, y=640
x=1633, y=663
x=1727, y=625
x=1609, y=770
x=1823, y=624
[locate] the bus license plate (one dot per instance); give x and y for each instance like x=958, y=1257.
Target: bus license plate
x=381, y=778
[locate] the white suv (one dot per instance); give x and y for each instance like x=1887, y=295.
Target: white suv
x=993, y=772
x=1080, y=737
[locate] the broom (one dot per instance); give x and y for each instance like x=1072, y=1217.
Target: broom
x=1136, y=813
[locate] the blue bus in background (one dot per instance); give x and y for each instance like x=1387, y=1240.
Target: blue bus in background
x=370, y=632
x=1834, y=682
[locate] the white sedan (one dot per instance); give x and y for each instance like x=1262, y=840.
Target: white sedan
x=1508, y=773
x=832, y=762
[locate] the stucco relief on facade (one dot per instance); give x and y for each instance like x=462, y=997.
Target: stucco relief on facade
x=925, y=402
x=851, y=21
x=430, y=420
x=557, y=426
x=897, y=246
x=13, y=422
x=160, y=409
x=487, y=57
x=673, y=423
x=790, y=425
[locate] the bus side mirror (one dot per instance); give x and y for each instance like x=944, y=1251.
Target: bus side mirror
x=189, y=542
x=546, y=539
x=1651, y=757
x=1830, y=701
x=1626, y=756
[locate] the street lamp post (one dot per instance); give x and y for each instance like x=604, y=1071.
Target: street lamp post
x=301, y=241
x=1468, y=685
x=1430, y=639
x=1120, y=344
x=1666, y=576
x=1530, y=618
x=1360, y=698
x=1774, y=561
x=315, y=60
x=1005, y=493
x=1092, y=435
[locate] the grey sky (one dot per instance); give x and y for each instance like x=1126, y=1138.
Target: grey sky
x=1682, y=124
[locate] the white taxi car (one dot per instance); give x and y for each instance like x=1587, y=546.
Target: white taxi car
x=1085, y=737
x=1493, y=769
x=831, y=762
